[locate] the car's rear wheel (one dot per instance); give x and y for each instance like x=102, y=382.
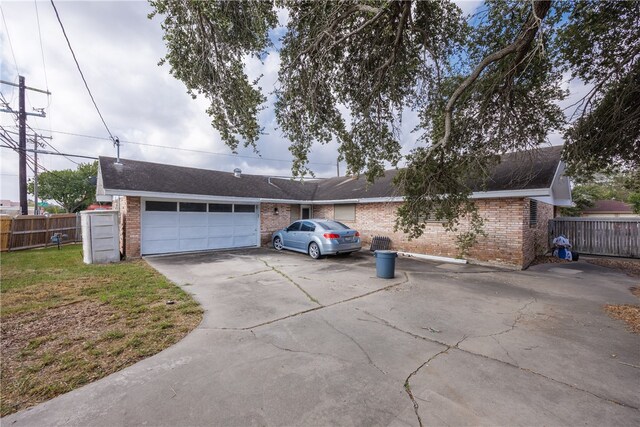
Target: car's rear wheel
x=314, y=250
x=277, y=244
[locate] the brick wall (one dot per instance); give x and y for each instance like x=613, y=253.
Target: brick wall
x=536, y=240
x=322, y=211
x=130, y=227
x=270, y=221
x=509, y=240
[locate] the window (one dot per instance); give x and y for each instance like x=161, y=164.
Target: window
x=294, y=227
x=244, y=208
x=307, y=226
x=160, y=206
x=344, y=212
x=193, y=207
x=533, y=213
x=333, y=225
x=219, y=207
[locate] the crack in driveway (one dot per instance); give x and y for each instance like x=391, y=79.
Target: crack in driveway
x=519, y=317
x=356, y=343
x=249, y=274
x=388, y=324
x=283, y=274
x=407, y=384
x=320, y=307
x=291, y=350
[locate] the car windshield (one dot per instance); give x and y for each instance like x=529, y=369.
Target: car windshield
x=332, y=225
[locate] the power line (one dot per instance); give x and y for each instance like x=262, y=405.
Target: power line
x=44, y=66
x=177, y=148
x=80, y=70
x=9, y=39
x=54, y=148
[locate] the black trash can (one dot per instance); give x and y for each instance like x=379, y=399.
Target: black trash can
x=385, y=264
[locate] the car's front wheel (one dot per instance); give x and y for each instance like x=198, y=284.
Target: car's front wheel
x=277, y=244
x=314, y=250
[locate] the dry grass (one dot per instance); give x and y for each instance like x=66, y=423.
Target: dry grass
x=65, y=324
x=629, y=313
x=547, y=259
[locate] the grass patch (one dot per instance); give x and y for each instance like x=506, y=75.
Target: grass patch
x=64, y=324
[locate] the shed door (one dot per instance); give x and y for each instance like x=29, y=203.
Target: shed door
x=168, y=227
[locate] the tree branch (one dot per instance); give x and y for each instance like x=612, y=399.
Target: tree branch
x=540, y=8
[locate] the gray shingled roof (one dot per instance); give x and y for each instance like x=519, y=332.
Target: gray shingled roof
x=518, y=171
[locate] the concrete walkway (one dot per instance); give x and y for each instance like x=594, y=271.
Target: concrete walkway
x=287, y=340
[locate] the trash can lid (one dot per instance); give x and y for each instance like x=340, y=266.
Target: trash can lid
x=385, y=254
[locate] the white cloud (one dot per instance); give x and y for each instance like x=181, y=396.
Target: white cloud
x=118, y=49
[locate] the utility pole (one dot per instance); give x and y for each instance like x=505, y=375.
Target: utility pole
x=22, y=137
x=35, y=151
x=35, y=174
x=338, y=166
x=22, y=147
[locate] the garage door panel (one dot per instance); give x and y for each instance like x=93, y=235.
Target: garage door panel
x=160, y=246
x=219, y=231
x=193, y=244
x=160, y=219
x=224, y=220
x=193, y=219
x=243, y=241
x=193, y=232
x=221, y=242
x=168, y=231
x=159, y=233
x=245, y=219
x=244, y=231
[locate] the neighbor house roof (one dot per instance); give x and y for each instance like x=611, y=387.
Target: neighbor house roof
x=526, y=174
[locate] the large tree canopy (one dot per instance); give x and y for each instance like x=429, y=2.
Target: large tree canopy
x=481, y=85
x=74, y=190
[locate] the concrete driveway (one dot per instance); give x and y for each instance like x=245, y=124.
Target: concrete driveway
x=287, y=340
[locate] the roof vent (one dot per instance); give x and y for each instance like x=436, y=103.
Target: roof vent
x=237, y=172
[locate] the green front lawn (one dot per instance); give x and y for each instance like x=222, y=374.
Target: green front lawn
x=64, y=323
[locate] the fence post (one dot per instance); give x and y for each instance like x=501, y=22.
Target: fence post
x=12, y=235
x=46, y=231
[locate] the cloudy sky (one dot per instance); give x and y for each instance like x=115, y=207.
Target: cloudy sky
x=118, y=49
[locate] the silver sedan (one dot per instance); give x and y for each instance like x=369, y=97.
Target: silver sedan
x=317, y=237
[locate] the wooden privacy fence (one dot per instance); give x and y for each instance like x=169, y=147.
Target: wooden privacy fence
x=599, y=236
x=32, y=231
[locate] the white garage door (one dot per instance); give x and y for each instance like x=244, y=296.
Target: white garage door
x=168, y=227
